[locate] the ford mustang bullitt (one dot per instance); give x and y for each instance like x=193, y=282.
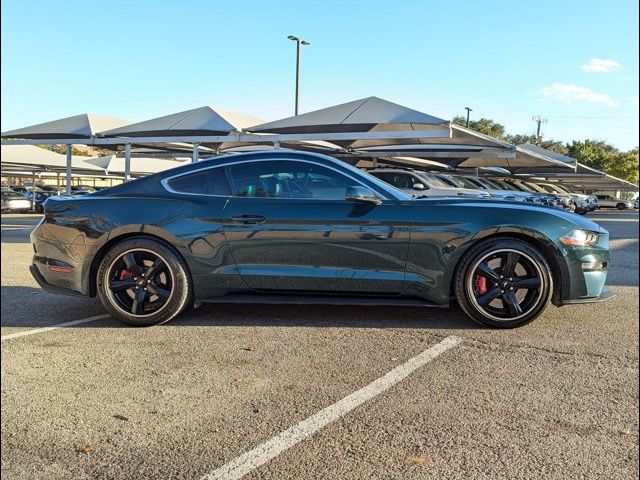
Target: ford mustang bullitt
x=293, y=227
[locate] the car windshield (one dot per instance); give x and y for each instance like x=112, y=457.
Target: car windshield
x=433, y=181
x=515, y=186
x=491, y=184
x=562, y=189
x=466, y=183
x=477, y=182
x=456, y=181
x=535, y=188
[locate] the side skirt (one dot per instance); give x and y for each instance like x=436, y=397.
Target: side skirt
x=321, y=300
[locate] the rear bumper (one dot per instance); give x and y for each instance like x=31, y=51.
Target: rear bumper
x=52, y=288
x=603, y=297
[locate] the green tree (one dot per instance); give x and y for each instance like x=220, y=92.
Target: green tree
x=484, y=125
x=62, y=149
x=624, y=165
x=593, y=153
x=553, y=145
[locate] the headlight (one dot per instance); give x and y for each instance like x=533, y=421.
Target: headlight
x=580, y=238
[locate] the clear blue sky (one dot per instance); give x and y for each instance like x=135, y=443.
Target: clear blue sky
x=575, y=63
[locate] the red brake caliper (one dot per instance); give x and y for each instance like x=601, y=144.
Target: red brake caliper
x=481, y=284
x=125, y=274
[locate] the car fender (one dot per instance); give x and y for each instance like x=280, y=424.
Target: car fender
x=547, y=247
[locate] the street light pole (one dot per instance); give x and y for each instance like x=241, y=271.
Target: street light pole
x=299, y=42
x=468, y=112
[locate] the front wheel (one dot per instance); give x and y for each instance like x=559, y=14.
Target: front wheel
x=621, y=206
x=143, y=282
x=503, y=283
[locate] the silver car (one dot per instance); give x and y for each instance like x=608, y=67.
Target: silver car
x=419, y=184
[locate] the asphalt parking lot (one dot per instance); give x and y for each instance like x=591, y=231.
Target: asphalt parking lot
x=195, y=397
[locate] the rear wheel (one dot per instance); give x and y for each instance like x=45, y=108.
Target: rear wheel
x=503, y=283
x=143, y=282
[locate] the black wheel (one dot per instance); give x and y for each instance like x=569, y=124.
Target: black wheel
x=621, y=206
x=142, y=282
x=503, y=283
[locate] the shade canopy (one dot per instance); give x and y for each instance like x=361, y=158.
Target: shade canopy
x=317, y=146
x=524, y=159
x=535, y=149
x=85, y=125
x=30, y=157
x=203, y=121
x=369, y=114
x=139, y=165
x=410, y=162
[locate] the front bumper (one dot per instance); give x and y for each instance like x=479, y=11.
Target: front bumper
x=585, y=276
x=603, y=297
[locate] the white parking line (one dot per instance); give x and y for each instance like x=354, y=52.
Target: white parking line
x=54, y=327
x=273, y=447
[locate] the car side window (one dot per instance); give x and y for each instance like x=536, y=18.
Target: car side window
x=288, y=179
x=207, y=182
x=398, y=180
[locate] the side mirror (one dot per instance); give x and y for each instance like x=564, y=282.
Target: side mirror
x=419, y=186
x=361, y=194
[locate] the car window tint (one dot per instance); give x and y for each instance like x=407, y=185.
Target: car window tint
x=288, y=179
x=207, y=182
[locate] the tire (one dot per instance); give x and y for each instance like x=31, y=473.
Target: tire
x=492, y=301
x=582, y=212
x=621, y=206
x=137, y=294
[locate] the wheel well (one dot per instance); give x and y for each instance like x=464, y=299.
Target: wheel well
x=544, y=249
x=107, y=246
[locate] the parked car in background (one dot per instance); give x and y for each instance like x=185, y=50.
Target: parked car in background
x=48, y=188
x=77, y=193
x=21, y=189
x=607, y=201
x=636, y=204
x=40, y=197
x=547, y=199
x=12, y=201
x=82, y=188
x=293, y=227
x=493, y=189
x=583, y=203
x=421, y=184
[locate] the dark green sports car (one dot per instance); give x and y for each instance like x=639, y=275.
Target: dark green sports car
x=291, y=227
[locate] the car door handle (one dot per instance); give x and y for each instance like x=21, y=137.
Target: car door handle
x=248, y=219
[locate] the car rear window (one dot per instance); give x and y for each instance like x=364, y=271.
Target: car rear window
x=207, y=182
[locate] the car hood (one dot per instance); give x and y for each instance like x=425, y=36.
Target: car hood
x=578, y=220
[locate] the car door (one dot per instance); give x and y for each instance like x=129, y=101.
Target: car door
x=290, y=228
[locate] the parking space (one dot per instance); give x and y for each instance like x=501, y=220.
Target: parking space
x=555, y=399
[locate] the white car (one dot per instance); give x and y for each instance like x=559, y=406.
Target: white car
x=583, y=203
x=420, y=184
x=607, y=201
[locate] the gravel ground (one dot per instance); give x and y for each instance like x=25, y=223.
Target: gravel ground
x=555, y=399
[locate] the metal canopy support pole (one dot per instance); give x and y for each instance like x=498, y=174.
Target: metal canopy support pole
x=33, y=192
x=68, y=186
x=297, y=75
x=127, y=162
x=196, y=153
x=58, y=183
